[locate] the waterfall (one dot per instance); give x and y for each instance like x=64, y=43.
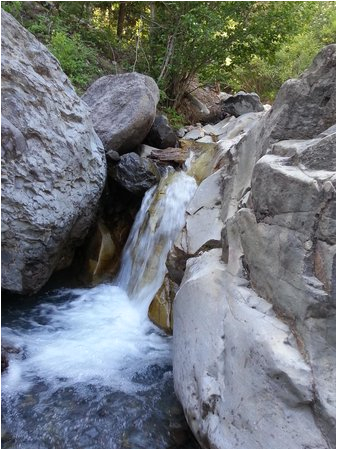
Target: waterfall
x=84, y=345
x=161, y=217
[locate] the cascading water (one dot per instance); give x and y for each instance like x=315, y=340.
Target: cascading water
x=94, y=372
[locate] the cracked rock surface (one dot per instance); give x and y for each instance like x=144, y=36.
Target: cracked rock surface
x=254, y=321
x=53, y=163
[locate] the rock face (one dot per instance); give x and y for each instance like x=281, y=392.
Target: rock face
x=242, y=103
x=161, y=134
x=53, y=163
x=123, y=108
x=242, y=381
x=306, y=106
x=135, y=174
x=254, y=321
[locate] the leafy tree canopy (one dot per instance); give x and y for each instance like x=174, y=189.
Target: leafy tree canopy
x=253, y=45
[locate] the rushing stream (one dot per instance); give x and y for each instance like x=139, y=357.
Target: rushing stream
x=93, y=371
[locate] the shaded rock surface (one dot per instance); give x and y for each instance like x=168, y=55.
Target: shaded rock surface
x=161, y=135
x=266, y=312
x=123, y=108
x=242, y=103
x=135, y=174
x=53, y=163
x=200, y=104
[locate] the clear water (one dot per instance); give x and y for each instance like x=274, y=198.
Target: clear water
x=93, y=371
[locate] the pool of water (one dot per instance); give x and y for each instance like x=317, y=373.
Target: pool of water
x=89, y=369
x=90, y=373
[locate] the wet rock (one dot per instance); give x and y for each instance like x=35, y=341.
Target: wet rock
x=4, y=359
x=160, y=310
x=135, y=174
x=6, y=349
x=242, y=103
x=113, y=156
x=161, y=134
x=53, y=163
x=106, y=260
x=123, y=108
x=202, y=229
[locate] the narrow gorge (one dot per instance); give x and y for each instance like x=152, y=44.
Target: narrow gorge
x=165, y=289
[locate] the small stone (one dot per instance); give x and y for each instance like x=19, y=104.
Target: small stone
x=113, y=156
x=195, y=134
x=308, y=245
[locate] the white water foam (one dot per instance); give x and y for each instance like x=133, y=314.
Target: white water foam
x=102, y=335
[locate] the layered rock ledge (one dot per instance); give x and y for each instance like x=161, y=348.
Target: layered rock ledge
x=254, y=317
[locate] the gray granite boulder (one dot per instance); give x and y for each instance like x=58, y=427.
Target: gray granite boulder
x=306, y=106
x=53, y=163
x=242, y=103
x=123, y=108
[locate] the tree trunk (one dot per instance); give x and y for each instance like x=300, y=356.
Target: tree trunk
x=121, y=18
x=169, y=52
x=152, y=11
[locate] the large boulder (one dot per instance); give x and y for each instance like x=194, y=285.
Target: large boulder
x=306, y=106
x=200, y=104
x=123, y=108
x=135, y=174
x=53, y=163
x=242, y=103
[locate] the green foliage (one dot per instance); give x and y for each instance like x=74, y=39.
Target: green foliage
x=261, y=75
x=251, y=45
x=176, y=120
x=76, y=59
x=40, y=27
x=13, y=8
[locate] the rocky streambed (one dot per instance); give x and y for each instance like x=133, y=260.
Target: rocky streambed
x=236, y=257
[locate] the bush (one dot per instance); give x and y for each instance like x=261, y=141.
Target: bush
x=76, y=58
x=294, y=56
x=175, y=120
